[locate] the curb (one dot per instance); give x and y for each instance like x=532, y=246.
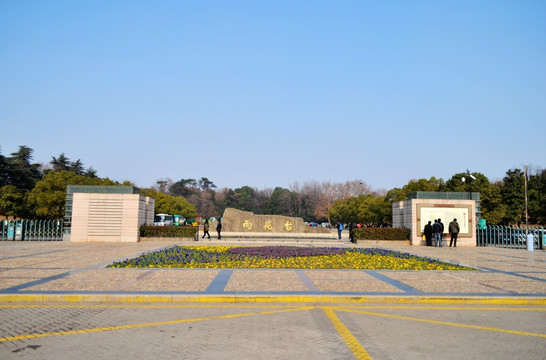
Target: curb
x=176, y=299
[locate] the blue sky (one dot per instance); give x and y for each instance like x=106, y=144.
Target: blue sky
x=267, y=93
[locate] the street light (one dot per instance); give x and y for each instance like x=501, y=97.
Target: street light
x=470, y=178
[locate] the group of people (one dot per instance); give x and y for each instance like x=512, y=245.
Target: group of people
x=437, y=230
x=206, y=227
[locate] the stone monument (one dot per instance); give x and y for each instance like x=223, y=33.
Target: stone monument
x=241, y=223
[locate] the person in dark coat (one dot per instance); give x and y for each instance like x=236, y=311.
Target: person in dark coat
x=454, y=231
x=428, y=233
x=351, y=233
x=437, y=231
x=206, y=229
x=219, y=229
x=441, y=232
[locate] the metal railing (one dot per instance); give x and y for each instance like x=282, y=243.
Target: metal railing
x=31, y=230
x=512, y=237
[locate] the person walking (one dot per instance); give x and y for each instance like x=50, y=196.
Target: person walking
x=437, y=231
x=339, y=229
x=206, y=227
x=428, y=233
x=219, y=228
x=454, y=231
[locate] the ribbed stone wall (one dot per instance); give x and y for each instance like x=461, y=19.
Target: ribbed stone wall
x=99, y=217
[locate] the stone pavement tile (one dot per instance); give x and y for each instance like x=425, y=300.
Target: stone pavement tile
x=354, y=286
x=70, y=255
x=168, y=285
x=337, y=274
x=439, y=282
x=507, y=282
x=16, y=277
x=31, y=262
x=30, y=273
x=259, y=274
x=67, y=285
x=510, y=266
x=538, y=275
x=184, y=274
x=92, y=280
x=522, y=286
x=265, y=280
x=347, y=281
x=173, y=280
x=534, y=266
x=482, y=276
x=266, y=285
x=6, y=283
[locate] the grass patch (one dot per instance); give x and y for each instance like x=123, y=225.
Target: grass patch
x=283, y=257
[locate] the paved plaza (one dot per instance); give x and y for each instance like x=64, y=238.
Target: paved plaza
x=59, y=301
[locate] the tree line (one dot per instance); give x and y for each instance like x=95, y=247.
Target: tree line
x=310, y=201
x=502, y=201
x=30, y=190
x=38, y=191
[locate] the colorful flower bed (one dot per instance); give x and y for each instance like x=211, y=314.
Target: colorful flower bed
x=283, y=257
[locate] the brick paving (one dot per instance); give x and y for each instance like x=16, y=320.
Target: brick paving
x=53, y=268
x=59, y=301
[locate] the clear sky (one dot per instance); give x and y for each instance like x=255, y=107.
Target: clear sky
x=267, y=93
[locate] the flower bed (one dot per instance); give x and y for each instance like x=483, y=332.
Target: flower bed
x=283, y=257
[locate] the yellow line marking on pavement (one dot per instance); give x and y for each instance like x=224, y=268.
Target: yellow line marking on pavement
x=201, y=306
x=445, y=323
x=136, y=306
x=135, y=326
x=445, y=308
x=353, y=344
x=118, y=298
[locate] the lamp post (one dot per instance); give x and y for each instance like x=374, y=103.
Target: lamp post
x=470, y=178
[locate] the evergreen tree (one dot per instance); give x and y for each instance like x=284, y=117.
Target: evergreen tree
x=243, y=198
x=513, y=196
x=206, y=184
x=60, y=163
x=3, y=171
x=21, y=173
x=76, y=167
x=536, y=194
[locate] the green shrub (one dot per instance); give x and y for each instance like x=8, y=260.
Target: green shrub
x=382, y=234
x=168, y=231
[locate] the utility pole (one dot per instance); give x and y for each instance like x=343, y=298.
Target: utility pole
x=526, y=213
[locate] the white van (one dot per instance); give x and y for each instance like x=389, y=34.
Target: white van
x=163, y=220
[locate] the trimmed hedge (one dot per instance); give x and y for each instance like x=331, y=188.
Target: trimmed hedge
x=382, y=234
x=168, y=231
